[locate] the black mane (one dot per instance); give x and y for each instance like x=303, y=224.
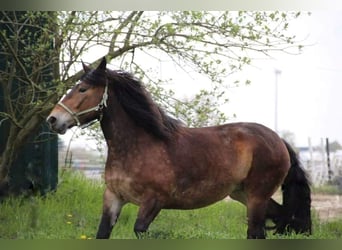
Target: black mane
x=138, y=104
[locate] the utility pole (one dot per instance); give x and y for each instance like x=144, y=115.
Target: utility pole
x=277, y=74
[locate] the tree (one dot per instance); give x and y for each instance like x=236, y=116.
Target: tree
x=215, y=44
x=28, y=63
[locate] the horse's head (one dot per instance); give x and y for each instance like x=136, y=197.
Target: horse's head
x=83, y=103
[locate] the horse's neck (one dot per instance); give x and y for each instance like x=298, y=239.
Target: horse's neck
x=119, y=130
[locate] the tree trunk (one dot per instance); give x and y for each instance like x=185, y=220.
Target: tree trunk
x=17, y=137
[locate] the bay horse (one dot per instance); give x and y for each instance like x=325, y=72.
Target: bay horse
x=156, y=162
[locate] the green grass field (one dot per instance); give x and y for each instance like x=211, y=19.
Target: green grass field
x=74, y=210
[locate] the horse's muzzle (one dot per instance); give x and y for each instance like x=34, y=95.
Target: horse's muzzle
x=59, y=126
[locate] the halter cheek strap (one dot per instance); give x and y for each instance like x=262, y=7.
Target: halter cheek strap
x=98, y=107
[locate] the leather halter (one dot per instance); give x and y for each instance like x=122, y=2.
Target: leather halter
x=98, y=107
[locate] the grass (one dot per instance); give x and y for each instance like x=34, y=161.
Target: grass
x=74, y=210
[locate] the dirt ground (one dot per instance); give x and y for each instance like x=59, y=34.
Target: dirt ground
x=327, y=207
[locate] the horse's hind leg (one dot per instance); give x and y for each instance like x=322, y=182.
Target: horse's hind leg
x=273, y=211
x=111, y=210
x=147, y=212
x=256, y=211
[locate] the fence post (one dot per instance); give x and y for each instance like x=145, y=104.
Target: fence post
x=327, y=148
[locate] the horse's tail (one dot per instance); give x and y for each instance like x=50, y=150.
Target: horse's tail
x=296, y=208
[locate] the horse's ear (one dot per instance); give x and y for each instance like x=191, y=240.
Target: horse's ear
x=103, y=64
x=85, y=67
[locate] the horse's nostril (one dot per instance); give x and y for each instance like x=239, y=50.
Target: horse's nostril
x=51, y=120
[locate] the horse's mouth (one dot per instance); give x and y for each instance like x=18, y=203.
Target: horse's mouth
x=62, y=130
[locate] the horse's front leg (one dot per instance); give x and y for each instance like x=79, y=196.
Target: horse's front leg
x=147, y=212
x=111, y=210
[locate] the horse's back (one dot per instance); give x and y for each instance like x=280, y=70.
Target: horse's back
x=233, y=140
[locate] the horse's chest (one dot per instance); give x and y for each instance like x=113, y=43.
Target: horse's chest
x=122, y=185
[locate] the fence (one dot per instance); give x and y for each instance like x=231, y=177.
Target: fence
x=322, y=165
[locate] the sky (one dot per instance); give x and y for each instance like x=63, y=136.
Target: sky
x=309, y=86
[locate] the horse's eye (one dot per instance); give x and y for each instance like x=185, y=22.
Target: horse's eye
x=82, y=90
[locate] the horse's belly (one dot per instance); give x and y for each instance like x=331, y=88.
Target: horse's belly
x=199, y=196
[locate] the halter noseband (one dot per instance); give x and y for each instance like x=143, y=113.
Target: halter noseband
x=98, y=107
